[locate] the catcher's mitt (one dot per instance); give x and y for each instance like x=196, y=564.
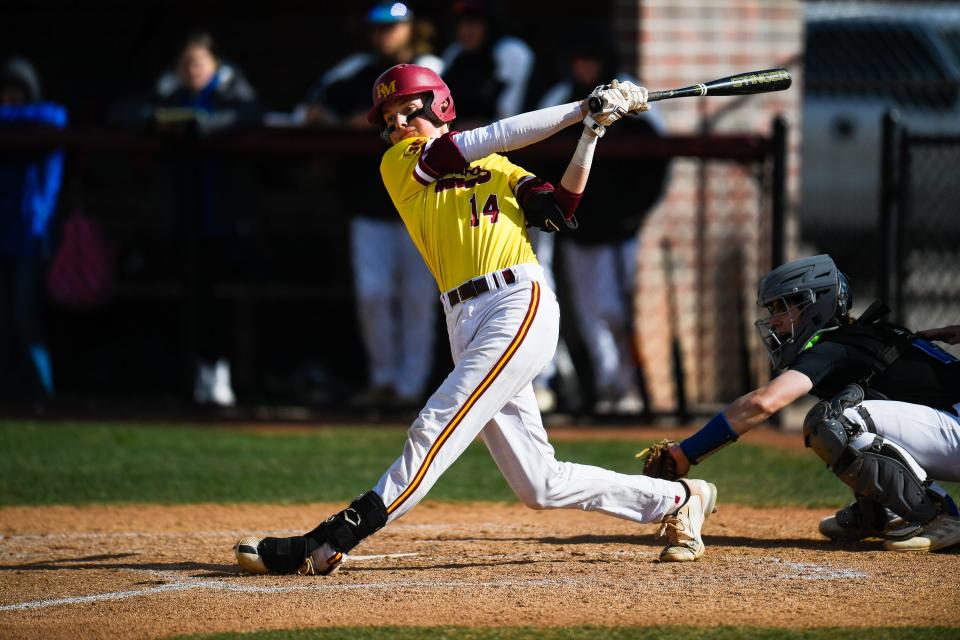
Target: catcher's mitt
x=657, y=461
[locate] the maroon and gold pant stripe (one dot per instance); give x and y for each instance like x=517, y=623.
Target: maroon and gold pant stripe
x=472, y=399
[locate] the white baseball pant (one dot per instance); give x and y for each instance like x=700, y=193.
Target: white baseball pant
x=395, y=299
x=601, y=279
x=500, y=340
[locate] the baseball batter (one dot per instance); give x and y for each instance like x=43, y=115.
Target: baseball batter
x=887, y=424
x=466, y=208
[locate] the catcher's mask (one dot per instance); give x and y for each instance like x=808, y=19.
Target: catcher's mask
x=405, y=80
x=803, y=298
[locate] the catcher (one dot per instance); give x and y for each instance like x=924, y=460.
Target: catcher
x=887, y=422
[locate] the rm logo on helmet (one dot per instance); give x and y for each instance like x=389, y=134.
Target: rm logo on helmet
x=384, y=89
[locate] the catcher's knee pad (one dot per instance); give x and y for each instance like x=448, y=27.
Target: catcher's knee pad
x=346, y=529
x=826, y=430
x=827, y=434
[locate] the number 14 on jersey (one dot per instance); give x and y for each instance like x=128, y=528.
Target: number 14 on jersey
x=490, y=208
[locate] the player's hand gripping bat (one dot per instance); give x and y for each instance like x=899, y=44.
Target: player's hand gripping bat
x=738, y=85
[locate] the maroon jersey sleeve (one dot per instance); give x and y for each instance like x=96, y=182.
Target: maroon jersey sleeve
x=442, y=156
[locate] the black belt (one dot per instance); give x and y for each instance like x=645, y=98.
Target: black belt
x=472, y=288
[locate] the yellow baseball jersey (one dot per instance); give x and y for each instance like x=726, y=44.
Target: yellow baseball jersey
x=464, y=224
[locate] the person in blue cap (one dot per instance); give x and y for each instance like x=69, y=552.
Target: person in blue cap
x=395, y=293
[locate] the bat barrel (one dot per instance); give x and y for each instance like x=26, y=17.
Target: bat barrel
x=748, y=83
x=744, y=84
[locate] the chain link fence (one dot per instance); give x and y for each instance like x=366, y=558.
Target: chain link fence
x=862, y=60
x=922, y=229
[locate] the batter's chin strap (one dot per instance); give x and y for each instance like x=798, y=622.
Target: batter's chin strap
x=345, y=530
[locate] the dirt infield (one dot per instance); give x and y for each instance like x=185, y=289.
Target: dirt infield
x=149, y=571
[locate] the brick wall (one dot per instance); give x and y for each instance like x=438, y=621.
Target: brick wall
x=715, y=216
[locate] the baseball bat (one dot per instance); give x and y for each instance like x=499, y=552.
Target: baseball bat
x=738, y=85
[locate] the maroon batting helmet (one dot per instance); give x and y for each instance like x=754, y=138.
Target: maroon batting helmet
x=408, y=80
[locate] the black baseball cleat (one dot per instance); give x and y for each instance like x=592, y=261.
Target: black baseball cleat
x=302, y=555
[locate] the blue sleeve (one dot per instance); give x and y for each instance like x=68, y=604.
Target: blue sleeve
x=47, y=113
x=43, y=177
x=48, y=178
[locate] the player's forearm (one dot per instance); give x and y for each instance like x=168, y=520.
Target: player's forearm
x=518, y=131
x=750, y=410
x=726, y=427
x=575, y=177
x=743, y=414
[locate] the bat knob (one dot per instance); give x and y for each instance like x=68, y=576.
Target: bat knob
x=595, y=104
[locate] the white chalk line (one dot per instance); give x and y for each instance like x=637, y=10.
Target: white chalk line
x=797, y=570
x=394, y=528
x=321, y=584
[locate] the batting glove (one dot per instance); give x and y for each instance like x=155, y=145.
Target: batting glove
x=636, y=95
x=613, y=107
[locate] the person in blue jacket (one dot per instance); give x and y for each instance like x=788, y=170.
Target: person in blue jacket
x=29, y=185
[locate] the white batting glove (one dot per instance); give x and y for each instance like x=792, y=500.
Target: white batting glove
x=635, y=94
x=614, y=105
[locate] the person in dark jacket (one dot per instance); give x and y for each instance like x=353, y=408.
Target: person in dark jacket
x=487, y=69
x=600, y=259
x=395, y=294
x=204, y=94
x=29, y=186
x=202, y=91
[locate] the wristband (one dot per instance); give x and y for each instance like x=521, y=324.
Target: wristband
x=583, y=155
x=713, y=436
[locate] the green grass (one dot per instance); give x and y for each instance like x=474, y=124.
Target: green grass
x=608, y=633
x=73, y=463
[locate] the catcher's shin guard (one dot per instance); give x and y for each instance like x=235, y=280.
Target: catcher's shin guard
x=861, y=519
x=881, y=471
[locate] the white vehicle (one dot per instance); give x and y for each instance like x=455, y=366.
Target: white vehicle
x=862, y=60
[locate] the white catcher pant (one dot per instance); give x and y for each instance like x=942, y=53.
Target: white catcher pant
x=500, y=340
x=395, y=299
x=932, y=437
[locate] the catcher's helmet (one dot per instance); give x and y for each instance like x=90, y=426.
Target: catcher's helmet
x=803, y=297
x=408, y=80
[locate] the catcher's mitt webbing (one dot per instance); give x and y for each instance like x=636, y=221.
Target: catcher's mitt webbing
x=713, y=436
x=657, y=461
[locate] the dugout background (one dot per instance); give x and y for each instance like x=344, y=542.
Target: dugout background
x=291, y=286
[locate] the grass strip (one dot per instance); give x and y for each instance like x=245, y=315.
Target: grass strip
x=82, y=463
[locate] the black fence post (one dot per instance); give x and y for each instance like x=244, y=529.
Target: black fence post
x=186, y=154
x=901, y=218
x=889, y=192
x=778, y=194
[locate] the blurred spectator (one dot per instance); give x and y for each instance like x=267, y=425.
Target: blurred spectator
x=202, y=91
x=487, y=70
x=397, y=298
x=600, y=257
x=205, y=94
x=29, y=185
